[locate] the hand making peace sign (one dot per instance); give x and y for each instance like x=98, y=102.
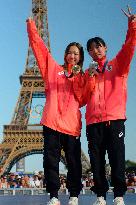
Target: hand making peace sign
x=131, y=17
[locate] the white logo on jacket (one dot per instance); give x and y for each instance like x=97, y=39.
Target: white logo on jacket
x=61, y=73
x=120, y=134
x=109, y=67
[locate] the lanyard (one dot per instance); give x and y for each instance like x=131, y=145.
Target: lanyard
x=68, y=74
x=103, y=69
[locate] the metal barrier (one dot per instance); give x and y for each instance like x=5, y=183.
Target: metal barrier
x=42, y=191
x=23, y=191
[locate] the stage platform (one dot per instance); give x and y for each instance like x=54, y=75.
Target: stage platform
x=130, y=199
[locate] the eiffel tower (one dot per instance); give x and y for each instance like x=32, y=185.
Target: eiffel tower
x=20, y=138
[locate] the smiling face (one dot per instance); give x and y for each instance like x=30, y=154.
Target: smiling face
x=96, y=48
x=73, y=55
x=97, y=51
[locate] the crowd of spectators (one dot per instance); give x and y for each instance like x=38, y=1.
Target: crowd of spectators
x=14, y=180
x=36, y=180
x=130, y=180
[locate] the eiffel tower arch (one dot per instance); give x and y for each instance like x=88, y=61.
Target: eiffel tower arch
x=20, y=138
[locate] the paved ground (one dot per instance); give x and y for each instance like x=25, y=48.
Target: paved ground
x=130, y=199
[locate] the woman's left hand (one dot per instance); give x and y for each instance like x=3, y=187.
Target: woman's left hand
x=131, y=17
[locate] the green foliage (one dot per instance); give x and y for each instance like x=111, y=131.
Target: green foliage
x=129, y=163
x=130, y=166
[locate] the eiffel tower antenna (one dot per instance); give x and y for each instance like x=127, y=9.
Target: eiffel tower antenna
x=20, y=138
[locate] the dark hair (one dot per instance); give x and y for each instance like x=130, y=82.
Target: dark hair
x=81, y=50
x=99, y=41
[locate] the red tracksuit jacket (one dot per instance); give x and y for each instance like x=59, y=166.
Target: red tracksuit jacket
x=61, y=110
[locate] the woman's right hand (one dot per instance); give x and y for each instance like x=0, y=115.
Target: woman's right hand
x=92, y=69
x=76, y=69
x=92, y=72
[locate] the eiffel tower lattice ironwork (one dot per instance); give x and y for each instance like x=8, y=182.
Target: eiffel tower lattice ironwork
x=21, y=139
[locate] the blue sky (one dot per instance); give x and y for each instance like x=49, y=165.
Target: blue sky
x=68, y=21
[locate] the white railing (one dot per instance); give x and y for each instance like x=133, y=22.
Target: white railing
x=42, y=191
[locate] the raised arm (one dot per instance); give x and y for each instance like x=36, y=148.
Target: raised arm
x=125, y=55
x=41, y=52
